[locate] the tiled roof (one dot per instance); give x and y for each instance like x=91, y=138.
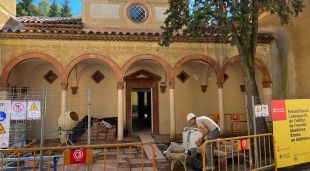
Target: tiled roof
x=50, y=20
x=72, y=29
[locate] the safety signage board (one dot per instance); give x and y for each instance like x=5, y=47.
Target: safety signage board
x=78, y=156
x=33, y=110
x=5, y=107
x=244, y=144
x=265, y=110
x=258, y=111
x=261, y=110
x=19, y=110
x=291, y=129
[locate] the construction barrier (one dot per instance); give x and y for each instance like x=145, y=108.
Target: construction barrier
x=92, y=157
x=252, y=152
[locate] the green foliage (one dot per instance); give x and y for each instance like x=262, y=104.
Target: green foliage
x=26, y=8
x=66, y=10
x=231, y=19
x=44, y=6
x=54, y=11
x=234, y=21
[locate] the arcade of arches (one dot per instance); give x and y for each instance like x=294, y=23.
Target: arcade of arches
x=199, y=79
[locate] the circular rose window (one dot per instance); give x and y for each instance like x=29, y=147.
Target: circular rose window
x=137, y=13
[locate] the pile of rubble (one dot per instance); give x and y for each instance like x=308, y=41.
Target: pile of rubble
x=100, y=130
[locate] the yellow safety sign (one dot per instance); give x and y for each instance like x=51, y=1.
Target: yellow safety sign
x=2, y=131
x=33, y=107
x=291, y=131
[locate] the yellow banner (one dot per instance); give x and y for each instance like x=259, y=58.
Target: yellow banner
x=291, y=129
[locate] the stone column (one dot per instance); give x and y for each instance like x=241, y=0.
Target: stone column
x=63, y=104
x=64, y=88
x=172, y=111
x=221, y=106
x=267, y=92
x=3, y=91
x=120, y=126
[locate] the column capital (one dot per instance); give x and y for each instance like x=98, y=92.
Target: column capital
x=120, y=85
x=64, y=86
x=267, y=84
x=220, y=84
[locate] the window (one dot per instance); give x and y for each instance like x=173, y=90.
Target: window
x=137, y=13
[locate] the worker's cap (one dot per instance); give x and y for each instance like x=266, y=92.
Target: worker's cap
x=190, y=116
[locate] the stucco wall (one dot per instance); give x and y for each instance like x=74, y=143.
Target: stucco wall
x=9, y=5
x=294, y=45
x=188, y=95
x=113, y=14
x=120, y=52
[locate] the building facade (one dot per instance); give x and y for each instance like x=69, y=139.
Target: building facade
x=113, y=51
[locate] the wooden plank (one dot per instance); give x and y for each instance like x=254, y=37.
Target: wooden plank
x=148, y=150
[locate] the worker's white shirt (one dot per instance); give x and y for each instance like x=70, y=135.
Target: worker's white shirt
x=207, y=122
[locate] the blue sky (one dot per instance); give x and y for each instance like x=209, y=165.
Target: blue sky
x=76, y=5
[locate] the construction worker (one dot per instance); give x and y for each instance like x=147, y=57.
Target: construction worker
x=210, y=131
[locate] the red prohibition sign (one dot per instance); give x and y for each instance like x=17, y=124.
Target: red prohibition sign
x=78, y=155
x=18, y=107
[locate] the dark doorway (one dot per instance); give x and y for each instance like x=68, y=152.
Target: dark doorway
x=139, y=82
x=141, y=107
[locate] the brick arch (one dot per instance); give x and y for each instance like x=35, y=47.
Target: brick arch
x=157, y=59
x=215, y=66
x=32, y=55
x=114, y=66
x=258, y=62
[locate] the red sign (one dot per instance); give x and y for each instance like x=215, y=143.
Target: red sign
x=78, y=156
x=234, y=117
x=278, y=110
x=244, y=144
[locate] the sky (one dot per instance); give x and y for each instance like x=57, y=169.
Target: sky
x=76, y=5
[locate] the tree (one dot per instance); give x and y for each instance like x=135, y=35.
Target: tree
x=45, y=7
x=235, y=21
x=66, y=10
x=26, y=8
x=54, y=11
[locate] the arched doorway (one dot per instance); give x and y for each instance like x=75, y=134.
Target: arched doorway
x=142, y=112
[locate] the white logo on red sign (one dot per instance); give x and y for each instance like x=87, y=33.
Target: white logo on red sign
x=78, y=154
x=244, y=144
x=18, y=107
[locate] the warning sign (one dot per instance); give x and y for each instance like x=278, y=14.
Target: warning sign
x=18, y=110
x=244, y=144
x=2, y=131
x=33, y=110
x=78, y=156
x=33, y=107
x=5, y=107
x=291, y=130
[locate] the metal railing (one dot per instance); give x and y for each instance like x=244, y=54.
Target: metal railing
x=50, y=157
x=252, y=152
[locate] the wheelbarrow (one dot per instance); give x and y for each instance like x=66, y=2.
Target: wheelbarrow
x=176, y=153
